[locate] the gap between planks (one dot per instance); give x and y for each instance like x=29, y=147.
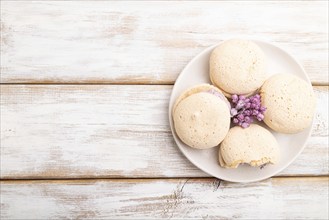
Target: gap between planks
x=148, y=179
x=140, y=179
x=164, y=83
x=117, y=84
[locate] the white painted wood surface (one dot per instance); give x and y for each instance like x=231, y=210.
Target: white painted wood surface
x=122, y=131
x=277, y=198
x=147, y=42
x=74, y=131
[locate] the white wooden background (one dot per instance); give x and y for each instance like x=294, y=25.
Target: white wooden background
x=85, y=87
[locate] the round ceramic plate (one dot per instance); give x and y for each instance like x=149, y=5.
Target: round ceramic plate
x=196, y=72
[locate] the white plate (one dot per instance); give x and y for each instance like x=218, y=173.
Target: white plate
x=196, y=72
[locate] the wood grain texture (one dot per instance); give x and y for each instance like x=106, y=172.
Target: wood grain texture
x=277, y=198
x=77, y=131
x=147, y=42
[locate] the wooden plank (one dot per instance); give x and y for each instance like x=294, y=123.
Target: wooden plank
x=276, y=198
x=147, y=42
x=77, y=131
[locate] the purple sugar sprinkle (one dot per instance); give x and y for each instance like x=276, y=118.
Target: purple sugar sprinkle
x=240, y=117
x=260, y=116
x=235, y=121
x=247, y=112
x=244, y=110
x=242, y=97
x=245, y=125
x=234, y=112
x=240, y=104
x=255, y=112
x=235, y=98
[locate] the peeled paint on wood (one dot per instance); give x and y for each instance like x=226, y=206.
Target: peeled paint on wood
x=147, y=42
x=277, y=198
x=87, y=131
